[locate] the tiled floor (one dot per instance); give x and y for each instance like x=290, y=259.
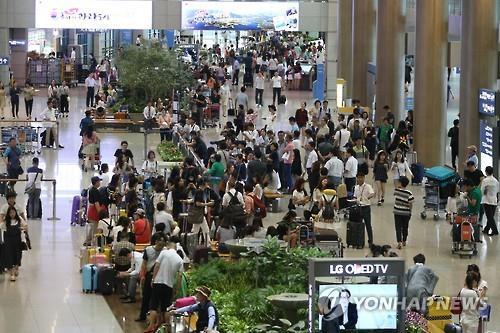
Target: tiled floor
x=48, y=298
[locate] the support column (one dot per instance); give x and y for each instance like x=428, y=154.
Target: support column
x=390, y=57
x=430, y=81
x=363, y=50
x=331, y=52
x=19, y=55
x=4, y=52
x=478, y=65
x=344, y=65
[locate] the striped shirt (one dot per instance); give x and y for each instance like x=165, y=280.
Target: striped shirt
x=402, y=202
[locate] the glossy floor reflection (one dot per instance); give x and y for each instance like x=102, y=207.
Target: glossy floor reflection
x=48, y=298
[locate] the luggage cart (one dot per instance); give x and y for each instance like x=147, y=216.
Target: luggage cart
x=87, y=164
x=211, y=115
x=439, y=180
x=465, y=235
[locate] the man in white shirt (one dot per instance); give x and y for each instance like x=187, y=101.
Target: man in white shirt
x=49, y=114
x=277, y=82
x=149, y=113
x=166, y=274
x=363, y=193
x=73, y=55
x=259, y=88
x=131, y=275
x=350, y=171
x=342, y=138
x=190, y=126
x=90, y=83
x=335, y=168
x=312, y=157
x=489, y=200
x=162, y=217
x=236, y=72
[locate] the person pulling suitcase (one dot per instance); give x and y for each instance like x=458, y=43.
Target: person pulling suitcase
x=363, y=193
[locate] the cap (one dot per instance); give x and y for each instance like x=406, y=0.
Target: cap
x=95, y=179
x=140, y=212
x=205, y=291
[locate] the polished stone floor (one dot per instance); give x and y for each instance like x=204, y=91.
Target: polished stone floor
x=47, y=296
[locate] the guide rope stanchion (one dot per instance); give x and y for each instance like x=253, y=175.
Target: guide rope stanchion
x=54, y=216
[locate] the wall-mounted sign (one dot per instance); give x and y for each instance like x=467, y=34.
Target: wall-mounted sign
x=93, y=14
x=4, y=61
x=487, y=102
x=218, y=15
x=17, y=42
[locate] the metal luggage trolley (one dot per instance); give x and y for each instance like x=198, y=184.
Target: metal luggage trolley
x=211, y=115
x=465, y=235
x=439, y=179
x=26, y=136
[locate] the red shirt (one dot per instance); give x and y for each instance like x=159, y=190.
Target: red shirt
x=142, y=230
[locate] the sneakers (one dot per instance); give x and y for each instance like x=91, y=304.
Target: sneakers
x=379, y=203
x=399, y=246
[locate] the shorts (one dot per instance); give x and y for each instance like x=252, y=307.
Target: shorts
x=92, y=214
x=161, y=297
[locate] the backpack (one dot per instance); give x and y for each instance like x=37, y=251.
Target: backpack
x=260, y=206
x=328, y=211
x=234, y=212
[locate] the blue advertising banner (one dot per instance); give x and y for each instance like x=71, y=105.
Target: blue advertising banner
x=487, y=102
x=218, y=15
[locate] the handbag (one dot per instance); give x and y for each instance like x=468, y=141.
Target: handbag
x=30, y=188
x=456, y=306
x=26, y=242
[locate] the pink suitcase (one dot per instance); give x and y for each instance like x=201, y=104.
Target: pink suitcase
x=97, y=259
x=185, y=301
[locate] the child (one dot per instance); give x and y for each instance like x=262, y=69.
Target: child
x=293, y=125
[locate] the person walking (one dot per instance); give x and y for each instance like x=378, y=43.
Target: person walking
x=34, y=176
x=28, y=92
x=380, y=169
x=453, y=135
x=236, y=72
x=90, y=84
x=403, y=203
x=288, y=157
x=64, y=98
x=363, y=193
x=13, y=226
x=14, y=93
x=489, y=200
x=277, y=83
x=350, y=170
x=13, y=161
x=469, y=296
x=259, y=88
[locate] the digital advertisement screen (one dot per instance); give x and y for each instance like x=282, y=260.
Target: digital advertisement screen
x=216, y=15
x=358, y=306
x=93, y=14
x=487, y=102
x=486, y=138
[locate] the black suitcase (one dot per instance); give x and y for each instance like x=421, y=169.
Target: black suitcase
x=355, y=235
x=355, y=214
x=106, y=280
x=3, y=185
x=39, y=213
x=452, y=328
x=248, y=79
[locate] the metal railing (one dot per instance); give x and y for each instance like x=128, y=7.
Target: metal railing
x=54, y=216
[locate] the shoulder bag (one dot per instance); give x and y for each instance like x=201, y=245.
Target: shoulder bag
x=31, y=187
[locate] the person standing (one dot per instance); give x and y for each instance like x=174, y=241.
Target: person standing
x=453, y=135
x=94, y=207
x=64, y=97
x=469, y=318
x=242, y=99
x=166, y=273
x=73, y=55
x=288, y=157
x=149, y=114
x=14, y=93
x=489, y=188
x=380, y=169
x=363, y=193
x=34, y=176
x=350, y=170
x=335, y=168
x=225, y=102
x=259, y=88
x=28, y=92
x=236, y=72
x=3, y=101
x=277, y=82
x=13, y=161
x=403, y=202
x=90, y=84
x=12, y=227
x=49, y=114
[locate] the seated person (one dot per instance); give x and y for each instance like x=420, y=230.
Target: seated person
x=162, y=217
x=257, y=230
x=132, y=275
x=122, y=227
x=224, y=233
x=142, y=228
x=207, y=314
x=287, y=228
x=122, y=263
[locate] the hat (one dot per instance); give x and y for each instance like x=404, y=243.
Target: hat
x=140, y=212
x=473, y=148
x=95, y=179
x=204, y=291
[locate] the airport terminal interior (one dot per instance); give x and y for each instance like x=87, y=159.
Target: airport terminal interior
x=240, y=127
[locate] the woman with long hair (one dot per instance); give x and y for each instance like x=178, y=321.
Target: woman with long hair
x=13, y=227
x=90, y=142
x=400, y=168
x=380, y=169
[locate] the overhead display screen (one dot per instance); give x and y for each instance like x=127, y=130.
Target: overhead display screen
x=93, y=14
x=216, y=15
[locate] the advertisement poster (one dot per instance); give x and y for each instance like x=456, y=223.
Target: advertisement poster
x=204, y=15
x=487, y=102
x=93, y=14
x=487, y=142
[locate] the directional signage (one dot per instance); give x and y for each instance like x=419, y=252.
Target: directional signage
x=487, y=144
x=487, y=102
x=4, y=61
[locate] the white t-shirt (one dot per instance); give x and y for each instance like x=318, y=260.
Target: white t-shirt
x=73, y=55
x=489, y=189
x=298, y=195
x=362, y=194
x=227, y=197
x=35, y=177
x=273, y=64
x=351, y=167
x=469, y=315
x=149, y=112
x=335, y=167
x=259, y=82
x=401, y=169
x=277, y=81
x=170, y=264
x=342, y=137
x=167, y=219
x=311, y=158
x=105, y=178
x=135, y=264
x=149, y=168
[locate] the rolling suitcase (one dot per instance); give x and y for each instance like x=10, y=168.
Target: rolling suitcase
x=75, y=210
x=105, y=280
x=417, y=169
x=355, y=235
x=452, y=328
x=89, y=278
